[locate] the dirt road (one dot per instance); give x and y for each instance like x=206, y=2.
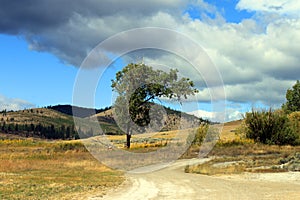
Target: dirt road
x=172, y=183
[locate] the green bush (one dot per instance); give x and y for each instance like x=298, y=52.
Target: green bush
x=293, y=99
x=72, y=145
x=270, y=127
x=294, y=120
x=198, y=137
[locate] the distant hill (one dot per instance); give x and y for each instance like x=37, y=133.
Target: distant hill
x=78, y=111
x=57, y=122
x=107, y=112
x=49, y=124
x=35, y=116
x=174, y=119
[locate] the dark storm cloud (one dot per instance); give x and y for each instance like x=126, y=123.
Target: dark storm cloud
x=69, y=29
x=36, y=15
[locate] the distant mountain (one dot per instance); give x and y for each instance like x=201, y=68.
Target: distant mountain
x=78, y=111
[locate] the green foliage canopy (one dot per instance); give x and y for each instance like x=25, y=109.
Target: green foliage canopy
x=139, y=85
x=293, y=99
x=270, y=127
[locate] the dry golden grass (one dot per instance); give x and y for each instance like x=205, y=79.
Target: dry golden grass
x=42, y=170
x=215, y=168
x=142, y=141
x=229, y=130
x=165, y=135
x=30, y=115
x=103, y=114
x=228, y=133
x=150, y=140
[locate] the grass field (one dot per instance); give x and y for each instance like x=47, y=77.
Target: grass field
x=229, y=130
x=150, y=140
x=160, y=139
x=35, y=169
x=40, y=169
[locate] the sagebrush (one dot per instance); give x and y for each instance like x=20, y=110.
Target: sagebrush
x=271, y=127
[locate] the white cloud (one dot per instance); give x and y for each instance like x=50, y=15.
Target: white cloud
x=203, y=114
x=278, y=6
x=13, y=103
x=230, y=115
x=233, y=115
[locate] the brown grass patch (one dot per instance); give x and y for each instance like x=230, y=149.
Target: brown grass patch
x=229, y=130
x=48, y=171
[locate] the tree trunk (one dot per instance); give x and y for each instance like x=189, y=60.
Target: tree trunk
x=128, y=136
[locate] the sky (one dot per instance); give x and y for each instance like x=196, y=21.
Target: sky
x=253, y=44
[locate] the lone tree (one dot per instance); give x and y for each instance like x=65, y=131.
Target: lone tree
x=138, y=86
x=293, y=99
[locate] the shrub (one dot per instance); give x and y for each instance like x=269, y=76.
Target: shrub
x=197, y=137
x=293, y=99
x=270, y=127
x=70, y=145
x=203, y=132
x=294, y=120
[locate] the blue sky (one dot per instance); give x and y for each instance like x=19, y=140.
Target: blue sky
x=227, y=8
x=37, y=77
x=249, y=43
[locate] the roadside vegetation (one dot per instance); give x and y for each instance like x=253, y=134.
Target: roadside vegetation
x=243, y=147
x=235, y=153
x=238, y=156
x=264, y=141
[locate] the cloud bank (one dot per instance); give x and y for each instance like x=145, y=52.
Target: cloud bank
x=258, y=58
